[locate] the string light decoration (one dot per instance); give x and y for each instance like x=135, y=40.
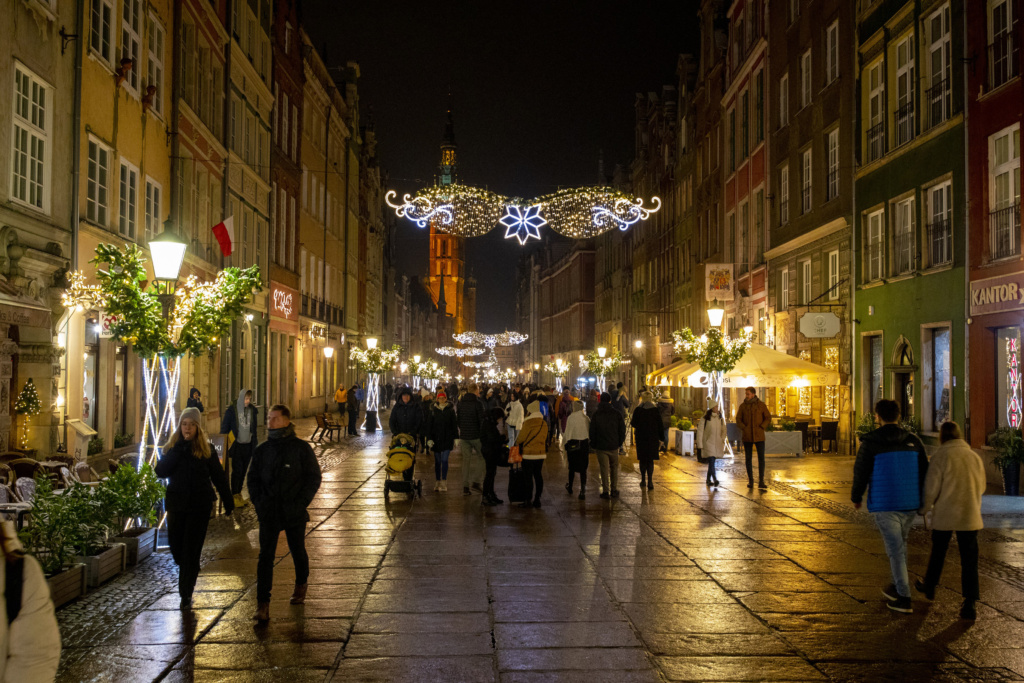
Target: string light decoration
x=804, y=394
x=27, y=405
x=467, y=211
x=505, y=338
x=559, y=369
x=375, y=360
x=600, y=366
x=459, y=353
x=831, y=408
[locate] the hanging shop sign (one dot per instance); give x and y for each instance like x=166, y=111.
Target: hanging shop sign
x=819, y=325
x=719, y=282
x=106, y=323
x=997, y=294
x=284, y=301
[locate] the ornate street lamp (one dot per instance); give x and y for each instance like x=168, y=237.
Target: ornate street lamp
x=167, y=251
x=715, y=314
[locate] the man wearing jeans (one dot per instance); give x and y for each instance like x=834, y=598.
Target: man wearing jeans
x=471, y=422
x=891, y=465
x=753, y=417
x=607, y=434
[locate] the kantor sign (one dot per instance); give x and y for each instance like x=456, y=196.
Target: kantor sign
x=467, y=211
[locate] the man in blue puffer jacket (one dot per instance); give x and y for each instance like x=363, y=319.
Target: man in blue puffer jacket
x=891, y=465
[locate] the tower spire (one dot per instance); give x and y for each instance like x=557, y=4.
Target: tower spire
x=442, y=305
x=446, y=170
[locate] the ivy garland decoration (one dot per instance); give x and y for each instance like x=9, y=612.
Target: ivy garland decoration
x=203, y=311
x=713, y=351
x=375, y=360
x=557, y=369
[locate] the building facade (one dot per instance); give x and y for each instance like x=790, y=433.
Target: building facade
x=911, y=212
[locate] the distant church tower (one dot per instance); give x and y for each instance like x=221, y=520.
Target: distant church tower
x=446, y=278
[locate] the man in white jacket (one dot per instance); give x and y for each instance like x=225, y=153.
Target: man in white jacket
x=953, y=489
x=514, y=416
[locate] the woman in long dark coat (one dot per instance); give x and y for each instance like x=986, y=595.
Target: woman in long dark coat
x=442, y=428
x=646, y=423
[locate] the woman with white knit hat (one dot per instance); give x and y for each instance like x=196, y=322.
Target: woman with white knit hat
x=711, y=436
x=190, y=464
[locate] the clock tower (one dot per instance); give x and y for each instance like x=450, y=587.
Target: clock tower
x=447, y=260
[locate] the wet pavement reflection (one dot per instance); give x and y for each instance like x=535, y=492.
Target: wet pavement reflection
x=679, y=583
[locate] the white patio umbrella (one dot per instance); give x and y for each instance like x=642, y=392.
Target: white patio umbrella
x=760, y=366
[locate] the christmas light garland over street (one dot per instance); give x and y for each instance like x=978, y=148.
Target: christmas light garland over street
x=459, y=353
x=467, y=211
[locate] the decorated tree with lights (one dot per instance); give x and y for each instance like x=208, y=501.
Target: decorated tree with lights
x=202, y=314
x=715, y=353
x=374, y=361
x=602, y=366
x=27, y=405
x=559, y=369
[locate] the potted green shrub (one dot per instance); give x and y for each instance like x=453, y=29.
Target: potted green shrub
x=103, y=559
x=52, y=538
x=1009, y=454
x=133, y=495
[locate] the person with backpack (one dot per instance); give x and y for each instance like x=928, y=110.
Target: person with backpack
x=891, y=466
x=646, y=424
x=607, y=434
x=190, y=464
x=577, y=447
x=953, y=489
x=240, y=421
x=711, y=437
x=29, y=636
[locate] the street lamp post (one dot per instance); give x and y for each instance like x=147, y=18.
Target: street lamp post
x=602, y=352
x=372, y=393
x=328, y=354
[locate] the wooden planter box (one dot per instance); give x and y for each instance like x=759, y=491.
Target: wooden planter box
x=105, y=566
x=138, y=543
x=67, y=585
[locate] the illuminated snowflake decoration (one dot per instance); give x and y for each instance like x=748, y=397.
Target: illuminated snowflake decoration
x=522, y=222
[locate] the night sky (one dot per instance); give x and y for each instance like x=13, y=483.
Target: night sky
x=538, y=90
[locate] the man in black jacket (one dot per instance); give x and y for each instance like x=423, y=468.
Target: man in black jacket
x=285, y=476
x=471, y=422
x=406, y=416
x=607, y=434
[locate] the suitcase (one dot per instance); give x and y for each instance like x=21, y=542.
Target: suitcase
x=520, y=485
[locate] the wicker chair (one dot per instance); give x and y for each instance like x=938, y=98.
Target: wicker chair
x=66, y=478
x=6, y=474
x=25, y=488
x=25, y=468
x=10, y=507
x=86, y=474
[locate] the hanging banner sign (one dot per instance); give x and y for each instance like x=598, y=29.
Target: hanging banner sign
x=284, y=302
x=719, y=282
x=818, y=325
x=106, y=322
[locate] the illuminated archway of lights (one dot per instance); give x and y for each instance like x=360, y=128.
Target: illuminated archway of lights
x=467, y=211
x=505, y=338
x=459, y=353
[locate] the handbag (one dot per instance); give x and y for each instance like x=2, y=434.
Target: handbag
x=514, y=455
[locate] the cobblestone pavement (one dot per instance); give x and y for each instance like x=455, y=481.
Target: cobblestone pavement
x=679, y=583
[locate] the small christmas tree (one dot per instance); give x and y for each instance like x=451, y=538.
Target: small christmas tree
x=28, y=400
x=28, y=404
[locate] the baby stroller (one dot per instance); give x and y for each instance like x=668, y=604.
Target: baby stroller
x=402, y=461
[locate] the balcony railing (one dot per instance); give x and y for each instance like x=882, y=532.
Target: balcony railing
x=1004, y=231
x=940, y=242
x=904, y=120
x=876, y=141
x=1003, y=58
x=903, y=253
x=875, y=259
x=805, y=199
x=305, y=304
x=937, y=99
x=832, y=186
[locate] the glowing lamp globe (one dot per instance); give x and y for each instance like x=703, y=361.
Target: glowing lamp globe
x=715, y=314
x=536, y=366
x=639, y=344
x=601, y=351
x=371, y=343
x=328, y=352
x=748, y=329
x=168, y=251
x=415, y=359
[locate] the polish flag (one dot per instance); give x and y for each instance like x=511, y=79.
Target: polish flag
x=225, y=234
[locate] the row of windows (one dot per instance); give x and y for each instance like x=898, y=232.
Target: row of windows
x=99, y=189
x=103, y=33
x=803, y=277
x=806, y=197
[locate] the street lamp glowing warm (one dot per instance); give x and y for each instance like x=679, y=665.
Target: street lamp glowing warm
x=328, y=352
x=416, y=359
x=536, y=366
x=581, y=356
x=715, y=314
x=639, y=344
x=601, y=351
x=167, y=251
x=371, y=343
x=404, y=367
x=748, y=329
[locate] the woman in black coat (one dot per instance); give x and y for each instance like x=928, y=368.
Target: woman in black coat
x=352, y=406
x=646, y=424
x=493, y=438
x=442, y=428
x=190, y=464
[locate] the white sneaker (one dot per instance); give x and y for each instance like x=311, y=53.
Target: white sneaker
x=444, y=485
x=437, y=485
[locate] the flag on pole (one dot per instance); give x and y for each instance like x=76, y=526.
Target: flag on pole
x=225, y=234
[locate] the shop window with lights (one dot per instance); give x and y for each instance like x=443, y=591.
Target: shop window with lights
x=804, y=393
x=1008, y=377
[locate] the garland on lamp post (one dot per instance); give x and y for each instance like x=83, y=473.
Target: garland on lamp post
x=715, y=353
x=559, y=370
x=374, y=362
x=203, y=313
x=600, y=366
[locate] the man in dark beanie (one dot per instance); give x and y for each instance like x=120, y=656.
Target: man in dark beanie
x=607, y=434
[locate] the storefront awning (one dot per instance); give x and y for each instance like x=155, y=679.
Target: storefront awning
x=760, y=367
